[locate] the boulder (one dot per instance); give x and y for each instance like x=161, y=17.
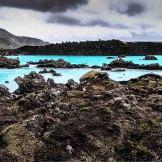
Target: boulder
x=44, y=71
x=9, y=63
x=121, y=63
x=155, y=66
x=5, y=95
x=53, y=72
x=93, y=75
x=30, y=83
x=110, y=57
x=150, y=57
x=105, y=67
x=71, y=84
x=95, y=67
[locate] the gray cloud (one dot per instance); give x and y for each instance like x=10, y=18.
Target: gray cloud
x=134, y=9
x=145, y=26
x=67, y=20
x=43, y=5
x=102, y=23
x=99, y=23
x=61, y=19
x=147, y=36
x=130, y=8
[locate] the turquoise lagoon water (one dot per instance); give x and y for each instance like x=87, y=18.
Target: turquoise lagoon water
x=90, y=60
x=11, y=74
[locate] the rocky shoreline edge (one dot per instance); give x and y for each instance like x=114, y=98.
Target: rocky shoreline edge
x=97, y=119
x=60, y=63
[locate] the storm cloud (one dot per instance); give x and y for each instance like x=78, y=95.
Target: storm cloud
x=66, y=20
x=71, y=21
x=79, y=20
x=43, y=5
x=61, y=19
x=130, y=8
x=134, y=9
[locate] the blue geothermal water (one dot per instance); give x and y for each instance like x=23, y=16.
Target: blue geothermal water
x=11, y=74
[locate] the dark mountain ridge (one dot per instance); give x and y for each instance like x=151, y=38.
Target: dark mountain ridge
x=10, y=41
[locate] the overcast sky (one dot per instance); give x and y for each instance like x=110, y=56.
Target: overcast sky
x=79, y=20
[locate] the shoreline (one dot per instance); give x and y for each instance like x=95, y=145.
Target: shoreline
x=115, y=63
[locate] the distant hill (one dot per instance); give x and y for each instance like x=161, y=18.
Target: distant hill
x=110, y=47
x=10, y=41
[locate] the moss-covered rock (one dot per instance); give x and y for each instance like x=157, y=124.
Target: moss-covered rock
x=21, y=143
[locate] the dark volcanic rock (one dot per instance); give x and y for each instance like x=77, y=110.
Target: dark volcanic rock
x=9, y=63
x=155, y=66
x=93, y=75
x=105, y=67
x=25, y=65
x=95, y=120
x=110, y=57
x=150, y=57
x=71, y=84
x=4, y=94
x=53, y=72
x=58, y=64
x=95, y=67
x=30, y=83
x=121, y=63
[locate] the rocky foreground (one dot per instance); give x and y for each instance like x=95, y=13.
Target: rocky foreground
x=98, y=119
